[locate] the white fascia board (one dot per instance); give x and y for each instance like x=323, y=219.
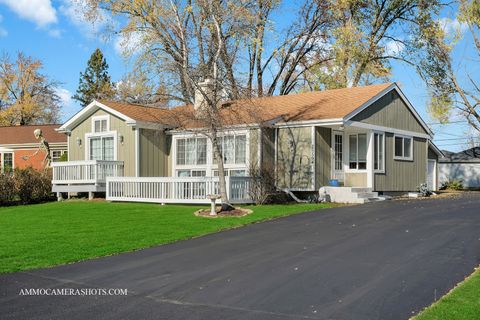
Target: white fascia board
x=309, y=123
x=34, y=145
x=395, y=87
x=87, y=111
x=147, y=125
x=386, y=129
x=233, y=128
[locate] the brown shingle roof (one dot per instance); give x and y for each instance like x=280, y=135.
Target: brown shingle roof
x=318, y=105
x=24, y=134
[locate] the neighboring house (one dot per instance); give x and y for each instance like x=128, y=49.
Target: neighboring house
x=367, y=137
x=18, y=146
x=463, y=165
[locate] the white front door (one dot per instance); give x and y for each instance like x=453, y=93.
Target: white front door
x=337, y=157
x=432, y=175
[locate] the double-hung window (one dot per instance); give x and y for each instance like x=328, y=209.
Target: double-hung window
x=101, y=142
x=6, y=162
x=233, y=148
x=403, y=147
x=357, y=151
x=191, y=151
x=379, y=152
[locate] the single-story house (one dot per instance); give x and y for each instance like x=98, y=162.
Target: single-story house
x=18, y=146
x=370, y=138
x=463, y=166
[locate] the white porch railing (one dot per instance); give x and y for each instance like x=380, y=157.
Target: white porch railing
x=85, y=172
x=175, y=190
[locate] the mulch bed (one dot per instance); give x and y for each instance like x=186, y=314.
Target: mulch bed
x=237, y=212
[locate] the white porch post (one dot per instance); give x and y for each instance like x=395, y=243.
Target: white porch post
x=370, y=177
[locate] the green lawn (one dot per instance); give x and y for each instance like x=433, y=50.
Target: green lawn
x=61, y=232
x=462, y=303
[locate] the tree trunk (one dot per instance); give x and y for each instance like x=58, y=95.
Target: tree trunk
x=226, y=206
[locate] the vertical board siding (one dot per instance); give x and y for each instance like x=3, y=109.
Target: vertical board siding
x=323, y=156
x=268, y=149
x=390, y=111
x=294, y=158
x=253, y=145
x=125, y=150
x=403, y=175
x=153, y=153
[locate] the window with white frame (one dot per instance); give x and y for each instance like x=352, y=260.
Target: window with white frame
x=233, y=149
x=357, y=151
x=191, y=173
x=102, y=148
x=6, y=162
x=191, y=151
x=403, y=147
x=57, y=154
x=100, y=124
x=379, y=152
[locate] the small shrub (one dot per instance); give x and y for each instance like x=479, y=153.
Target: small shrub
x=452, y=185
x=7, y=188
x=424, y=191
x=262, y=184
x=32, y=186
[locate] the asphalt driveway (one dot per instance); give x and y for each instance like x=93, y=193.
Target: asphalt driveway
x=383, y=260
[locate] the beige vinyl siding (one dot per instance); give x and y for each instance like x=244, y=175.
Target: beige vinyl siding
x=268, y=149
x=253, y=145
x=125, y=150
x=295, y=158
x=356, y=179
x=402, y=175
x=392, y=112
x=153, y=153
x=323, y=156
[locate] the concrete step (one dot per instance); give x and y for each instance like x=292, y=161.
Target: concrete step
x=359, y=189
x=366, y=194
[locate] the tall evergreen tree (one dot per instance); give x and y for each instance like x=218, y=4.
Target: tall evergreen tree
x=95, y=82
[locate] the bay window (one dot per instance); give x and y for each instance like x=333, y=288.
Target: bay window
x=358, y=151
x=403, y=148
x=379, y=152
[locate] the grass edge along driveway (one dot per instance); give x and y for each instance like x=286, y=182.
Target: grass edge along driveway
x=461, y=303
x=55, y=233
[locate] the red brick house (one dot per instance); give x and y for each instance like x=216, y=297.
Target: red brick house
x=18, y=145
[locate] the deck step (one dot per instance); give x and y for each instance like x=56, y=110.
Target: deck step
x=351, y=194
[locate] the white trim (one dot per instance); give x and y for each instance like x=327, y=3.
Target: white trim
x=209, y=167
x=395, y=87
x=34, y=145
x=83, y=114
x=276, y=155
x=313, y=162
x=347, y=153
x=370, y=171
x=308, y=123
x=403, y=158
x=384, y=147
x=100, y=118
x=137, y=152
x=435, y=149
x=3, y=151
x=386, y=129
x=146, y=125
x=334, y=172
x=259, y=146
x=435, y=169
x=90, y=135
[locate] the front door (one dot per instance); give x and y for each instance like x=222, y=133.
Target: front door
x=337, y=160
